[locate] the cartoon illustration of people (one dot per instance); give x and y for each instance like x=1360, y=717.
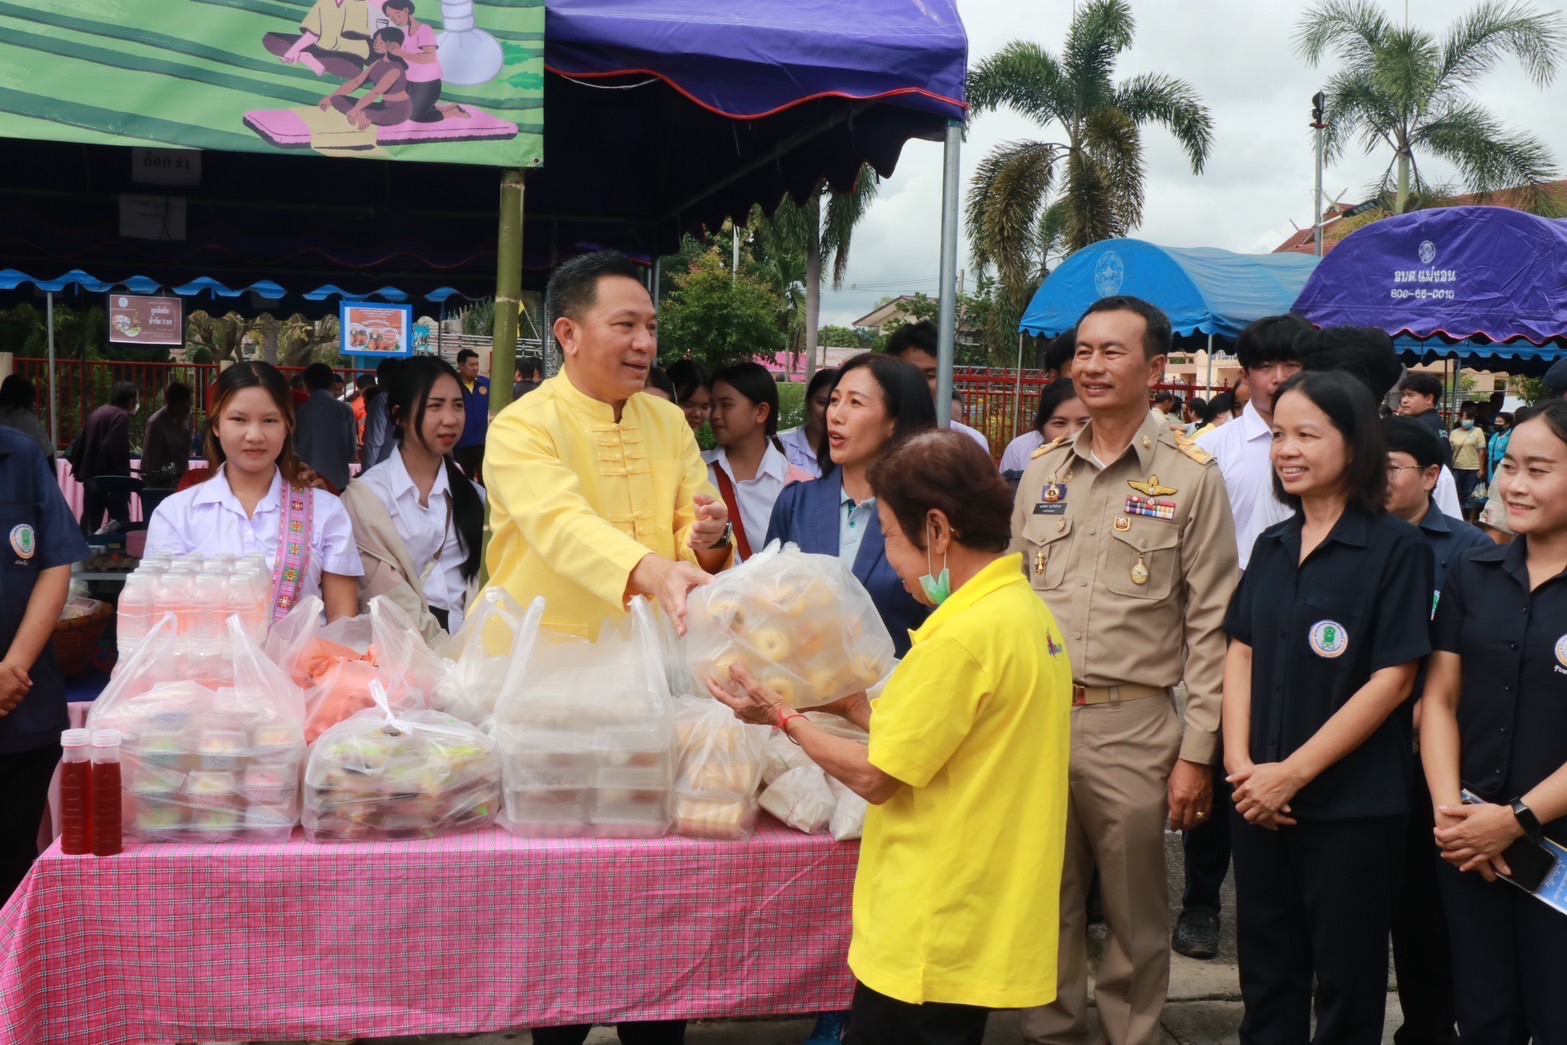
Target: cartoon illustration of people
x=333, y=39
x=419, y=50
x=387, y=102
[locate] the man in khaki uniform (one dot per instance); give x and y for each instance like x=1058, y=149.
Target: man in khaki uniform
x=1126, y=533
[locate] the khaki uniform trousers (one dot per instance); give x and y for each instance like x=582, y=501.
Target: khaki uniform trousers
x=1122, y=754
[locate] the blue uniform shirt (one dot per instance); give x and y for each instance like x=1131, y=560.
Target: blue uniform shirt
x=476, y=405
x=39, y=532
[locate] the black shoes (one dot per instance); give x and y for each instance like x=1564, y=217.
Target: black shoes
x=1197, y=933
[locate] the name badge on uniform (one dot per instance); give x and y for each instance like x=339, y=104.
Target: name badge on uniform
x=1050, y=508
x=23, y=541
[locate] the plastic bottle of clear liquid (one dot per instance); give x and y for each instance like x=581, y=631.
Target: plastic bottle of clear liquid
x=173, y=596
x=208, y=603
x=76, y=792
x=134, y=613
x=106, y=809
x=244, y=601
x=261, y=585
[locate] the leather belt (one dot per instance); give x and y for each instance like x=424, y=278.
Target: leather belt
x=1082, y=695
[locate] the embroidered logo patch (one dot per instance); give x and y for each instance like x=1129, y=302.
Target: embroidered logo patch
x=1329, y=639
x=23, y=542
x=1561, y=651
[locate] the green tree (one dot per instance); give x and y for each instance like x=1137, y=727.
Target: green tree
x=1401, y=88
x=718, y=317
x=821, y=228
x=834, y=336
x=1094, y=163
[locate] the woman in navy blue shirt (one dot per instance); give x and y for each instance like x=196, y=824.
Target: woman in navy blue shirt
x=1494, y=723
x=41, y=541
x=1327, y=628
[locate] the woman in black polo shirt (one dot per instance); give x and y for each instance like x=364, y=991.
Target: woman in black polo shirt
x=1327, y=631
x=1495, y=723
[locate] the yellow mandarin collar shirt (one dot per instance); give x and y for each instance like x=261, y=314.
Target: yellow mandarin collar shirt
x=577, y=499
x=957, y=896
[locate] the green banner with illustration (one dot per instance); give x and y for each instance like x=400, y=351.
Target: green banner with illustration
x=448, y=81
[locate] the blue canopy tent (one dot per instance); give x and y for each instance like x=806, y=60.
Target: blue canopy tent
x=1205, y=291
x=1479, y=285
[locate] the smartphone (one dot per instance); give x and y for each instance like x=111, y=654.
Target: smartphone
x=1529, y=861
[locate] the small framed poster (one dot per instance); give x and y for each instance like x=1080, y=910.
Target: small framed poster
x=137, y=320
x=373, y=329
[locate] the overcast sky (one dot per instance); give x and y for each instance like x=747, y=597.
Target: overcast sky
x=1239, y=57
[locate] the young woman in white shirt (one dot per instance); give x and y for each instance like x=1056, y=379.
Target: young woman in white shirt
x=749, y=468
x=801, y=444
x=418, y=521
x=252, y=501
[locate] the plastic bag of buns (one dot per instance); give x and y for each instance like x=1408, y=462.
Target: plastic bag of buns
x=718, y=768
x=801, y=624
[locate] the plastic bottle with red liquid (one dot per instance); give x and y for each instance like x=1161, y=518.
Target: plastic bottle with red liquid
x=76, y=793
x=106, y=815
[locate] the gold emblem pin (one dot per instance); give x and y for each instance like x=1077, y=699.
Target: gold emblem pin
x=1152, y=488
x=1139, y=571
x=1039, y=561
x=1123, y=524
x=1147, y=442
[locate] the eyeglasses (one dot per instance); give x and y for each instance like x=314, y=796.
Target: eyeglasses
x=1406, y=468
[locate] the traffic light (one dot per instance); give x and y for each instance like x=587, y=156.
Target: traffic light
x=1319, y=102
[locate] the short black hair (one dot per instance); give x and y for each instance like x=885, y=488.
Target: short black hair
x=122, y=395
x=386, y=368
x=17, y=392
x=819, y=380
x=1422, y=384
x=364, y=381
x=1364, y=353
x=530, y=365
x=178, y=392
x=1271, y=339
x=1351, y=409
x=1503, y=415
x=574, y=286
x=1165, y=396
x=756, y=383
x=914, y=337
x=319, y=376
x=466, y=354
x=1061, y=349
x=1157, y=337
x=1405, y=435
x=688, y=375
x=1223, y=403
x=656, y=378
x=1199, y=406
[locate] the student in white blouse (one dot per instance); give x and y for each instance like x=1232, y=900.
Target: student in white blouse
x=251, y=501
x=748, y=467
x=800, y=444
x=418, y=521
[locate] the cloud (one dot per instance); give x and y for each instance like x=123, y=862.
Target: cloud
x=1240, y=59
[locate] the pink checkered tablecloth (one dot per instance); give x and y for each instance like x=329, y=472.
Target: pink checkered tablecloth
x=472, y=932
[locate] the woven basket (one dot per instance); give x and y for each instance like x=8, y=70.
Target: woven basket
x=76, y=640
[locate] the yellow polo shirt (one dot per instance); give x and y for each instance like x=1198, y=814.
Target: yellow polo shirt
x=577, y=499
x=957, y=898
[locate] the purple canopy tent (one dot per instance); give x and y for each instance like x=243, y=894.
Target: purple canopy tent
x=1474, y=283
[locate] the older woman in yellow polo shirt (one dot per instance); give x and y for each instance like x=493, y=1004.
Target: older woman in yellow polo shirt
x=956, y=898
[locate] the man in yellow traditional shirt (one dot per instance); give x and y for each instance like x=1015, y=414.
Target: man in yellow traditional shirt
x=598, y=493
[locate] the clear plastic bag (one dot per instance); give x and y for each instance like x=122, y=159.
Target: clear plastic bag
x=801, y=799
x=586, y=734
x=382, y=775
x=335, y=663
x=801, y=624
x=203, y=764
x=848, y=815
x=479, y=657
x=718, y=770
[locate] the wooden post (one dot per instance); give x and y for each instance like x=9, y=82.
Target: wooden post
x=508, y=292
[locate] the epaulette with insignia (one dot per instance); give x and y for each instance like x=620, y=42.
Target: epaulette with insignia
x=1195, y=452
x=1047, y=448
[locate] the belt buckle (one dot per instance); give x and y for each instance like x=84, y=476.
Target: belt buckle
x=1079, y=695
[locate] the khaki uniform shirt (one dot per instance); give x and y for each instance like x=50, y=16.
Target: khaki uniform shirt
x=1137, y=561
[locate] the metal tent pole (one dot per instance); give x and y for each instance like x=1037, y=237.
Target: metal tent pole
x=54, y=406
x=948, y=301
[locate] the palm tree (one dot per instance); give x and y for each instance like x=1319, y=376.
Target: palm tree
x=817, y=233
x=1399, y=87
x=1094, y=162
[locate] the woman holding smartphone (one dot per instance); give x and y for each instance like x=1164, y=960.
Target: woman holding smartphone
x=1494, y=724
